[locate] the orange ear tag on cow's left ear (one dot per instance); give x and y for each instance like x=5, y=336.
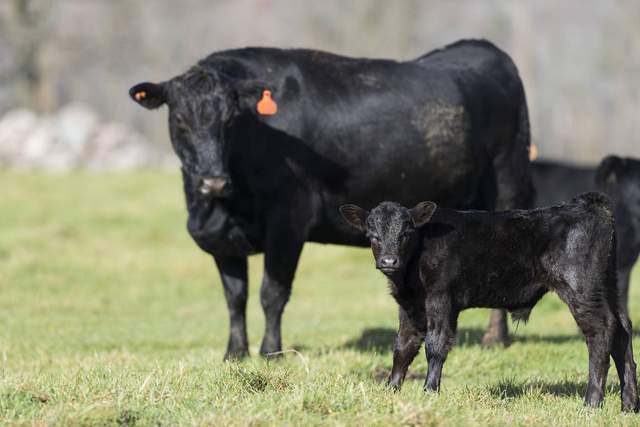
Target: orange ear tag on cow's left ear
x=267, y=106
x=140, y=95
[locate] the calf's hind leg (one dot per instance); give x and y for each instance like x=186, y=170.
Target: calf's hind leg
x=598, y=325
x=407, y=345
x=622, y=353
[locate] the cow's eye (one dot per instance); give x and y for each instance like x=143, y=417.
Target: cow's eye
x=374, y=239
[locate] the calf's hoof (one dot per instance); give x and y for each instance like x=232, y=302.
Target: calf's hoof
x=394, y=385
x=630, y=405
x=430, y=390
x=593, y=400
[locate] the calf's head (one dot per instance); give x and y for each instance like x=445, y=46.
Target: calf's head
x=391, y=229
x=202, y=105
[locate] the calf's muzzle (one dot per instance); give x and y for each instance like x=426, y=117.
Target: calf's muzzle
x=388, y=263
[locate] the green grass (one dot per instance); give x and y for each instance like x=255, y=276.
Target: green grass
x=110, y=315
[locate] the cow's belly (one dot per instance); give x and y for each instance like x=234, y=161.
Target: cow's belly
x=451, y=178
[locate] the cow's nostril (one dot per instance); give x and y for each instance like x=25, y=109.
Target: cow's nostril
x=214, y=186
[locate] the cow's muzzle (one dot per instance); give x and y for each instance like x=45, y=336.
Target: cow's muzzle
x=215, y=187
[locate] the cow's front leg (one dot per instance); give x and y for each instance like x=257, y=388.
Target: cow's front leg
x=410, y=337
x=233, y=272
x=282, y=252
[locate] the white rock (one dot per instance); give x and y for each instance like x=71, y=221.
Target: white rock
x=73, y=138
x=15, y=127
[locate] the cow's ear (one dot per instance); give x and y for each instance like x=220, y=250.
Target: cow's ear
x=607, y=172
x=149, y=95
x=257, y=97
x=355, y=216
x=422, y=213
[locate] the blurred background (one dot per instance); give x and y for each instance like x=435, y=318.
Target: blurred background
x=66, y=65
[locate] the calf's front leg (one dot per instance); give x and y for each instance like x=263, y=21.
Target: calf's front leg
x=442, y=322
x=407, y=345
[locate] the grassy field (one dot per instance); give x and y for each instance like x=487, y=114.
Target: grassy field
x=110, y=315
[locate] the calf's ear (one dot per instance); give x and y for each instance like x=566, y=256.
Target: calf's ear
x=149, y=95
x=355, y=216
x=607, y=172
x=422, y=213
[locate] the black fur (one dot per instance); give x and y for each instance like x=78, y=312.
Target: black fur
x=503, y=260
x=450, y=126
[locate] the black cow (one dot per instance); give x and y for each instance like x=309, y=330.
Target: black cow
x=440, y=262
x=618, y=177
x=450, y=126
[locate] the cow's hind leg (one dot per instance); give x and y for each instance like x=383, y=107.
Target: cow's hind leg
x=497, y=332
x=410, y=337
x=624, y=277
x=622, y=353
x=513, y=190
x=233, y=272
x=442, y=323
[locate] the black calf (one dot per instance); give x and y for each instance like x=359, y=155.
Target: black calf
x=446, y=261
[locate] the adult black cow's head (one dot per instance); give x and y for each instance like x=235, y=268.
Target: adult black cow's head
x=202, y=107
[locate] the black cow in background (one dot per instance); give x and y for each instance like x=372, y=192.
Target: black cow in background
x=619, y=178
x=450, y=126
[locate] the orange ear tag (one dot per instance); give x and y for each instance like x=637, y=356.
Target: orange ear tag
x=267, y=106
x=140, y=95
x=533, y=152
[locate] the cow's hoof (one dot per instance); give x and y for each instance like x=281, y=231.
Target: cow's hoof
x=493, y=338
x=271, y=352
x=272, y=355
x=234, y=355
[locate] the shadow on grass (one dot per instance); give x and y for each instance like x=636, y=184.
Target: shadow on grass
x=381, y=340
x=567, y=388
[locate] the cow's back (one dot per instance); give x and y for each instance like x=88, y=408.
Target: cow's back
x=558, y=182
